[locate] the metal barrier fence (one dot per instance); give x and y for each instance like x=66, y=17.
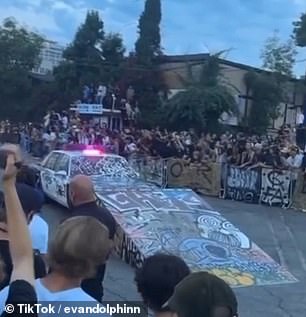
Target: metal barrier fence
x=9, y=138
x=151, y=169
x=262, y=185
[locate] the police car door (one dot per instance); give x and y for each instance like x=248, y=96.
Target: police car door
x=47, y=175
x=61, y=178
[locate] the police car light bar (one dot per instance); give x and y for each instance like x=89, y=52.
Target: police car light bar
x=92, y=152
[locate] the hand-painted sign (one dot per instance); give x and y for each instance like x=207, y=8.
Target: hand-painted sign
x=275, y=186
x=177, y=173
x=205, y=178
x=242, y=184
x=85, y=108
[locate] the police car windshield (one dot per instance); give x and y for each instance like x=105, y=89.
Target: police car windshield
x=107, y=166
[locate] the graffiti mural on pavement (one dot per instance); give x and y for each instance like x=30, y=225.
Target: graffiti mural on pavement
x=163, y=220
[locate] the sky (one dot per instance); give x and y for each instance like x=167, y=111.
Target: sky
x=188, y=26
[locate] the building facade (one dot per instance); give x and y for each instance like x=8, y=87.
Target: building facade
x=175, y=73
x=51, y=55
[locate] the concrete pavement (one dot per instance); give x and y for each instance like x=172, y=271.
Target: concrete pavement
x=280, y=233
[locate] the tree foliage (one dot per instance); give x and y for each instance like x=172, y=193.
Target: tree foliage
x=203, y=102
x=113, y=48
x=279, y=57
x=148, y=45
x=20, y=50
x=267, y=94
x=142, y=68
x=299, y=31
x=92, y=58
x=88, y=40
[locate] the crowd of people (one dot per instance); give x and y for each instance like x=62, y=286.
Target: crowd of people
x=281, y=151
x=112, y=98
x=74, y=266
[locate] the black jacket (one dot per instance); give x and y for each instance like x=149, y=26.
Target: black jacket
x=39, y=265
x=100, y=213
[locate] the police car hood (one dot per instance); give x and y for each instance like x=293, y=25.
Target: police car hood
x=104, y=184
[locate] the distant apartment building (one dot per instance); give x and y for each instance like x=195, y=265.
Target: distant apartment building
x=51, y=55
x=175, y=73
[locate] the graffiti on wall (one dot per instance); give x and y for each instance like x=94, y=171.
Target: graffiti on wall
x=275, y=186
x=242, y=184
x=205, y=178
x=177, y=173
x=161, y=221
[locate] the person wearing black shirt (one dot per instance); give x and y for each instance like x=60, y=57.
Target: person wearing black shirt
x=272, y=158
x=83, y=203
x=30, y=201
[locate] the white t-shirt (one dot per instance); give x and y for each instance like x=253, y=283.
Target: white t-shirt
x=39, y=231
x=295, y=162
x=45, y=295
x=65, y=121
x=46, y=137
x=52, y=136
x=130, y=148
x=101, y=91
x=299, y=118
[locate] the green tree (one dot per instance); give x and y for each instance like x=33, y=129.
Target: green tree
x=299, y=31
x=113, y=48
x=277, y=56
x=267, y=94
x=20, y=50
x=87, y=41
x=91, y=58
x=148, y=45
x=83, y=59
x=113, y=53
x=142, y=69
x=204, y=100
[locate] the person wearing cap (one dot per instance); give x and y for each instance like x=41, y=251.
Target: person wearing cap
x=156, y=280
x=202, y=294
x=31, y=201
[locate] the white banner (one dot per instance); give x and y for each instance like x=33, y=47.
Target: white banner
x=84, y=108
x=275, y=186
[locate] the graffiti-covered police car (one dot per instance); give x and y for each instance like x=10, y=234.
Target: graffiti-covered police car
x=107, y=171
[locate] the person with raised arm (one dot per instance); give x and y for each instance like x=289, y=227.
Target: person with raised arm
x=21, y=287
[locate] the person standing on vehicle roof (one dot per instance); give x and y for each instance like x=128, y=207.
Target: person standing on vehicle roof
x=83, y=203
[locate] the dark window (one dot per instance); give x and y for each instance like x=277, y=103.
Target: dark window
x=51, y=160
x=62, y=163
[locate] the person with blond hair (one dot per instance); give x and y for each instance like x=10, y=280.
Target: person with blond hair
x=80, y=245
